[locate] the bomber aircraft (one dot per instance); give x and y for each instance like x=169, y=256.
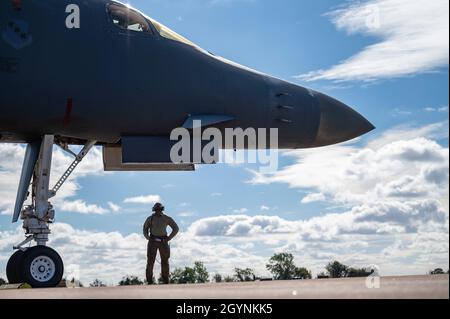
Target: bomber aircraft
x=101, y=73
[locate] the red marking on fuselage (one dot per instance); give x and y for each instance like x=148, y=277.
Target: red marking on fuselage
x=69, y=107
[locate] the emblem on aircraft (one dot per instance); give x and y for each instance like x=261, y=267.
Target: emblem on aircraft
x=17, y=34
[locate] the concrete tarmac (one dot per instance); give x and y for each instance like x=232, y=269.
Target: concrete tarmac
x=415, y=287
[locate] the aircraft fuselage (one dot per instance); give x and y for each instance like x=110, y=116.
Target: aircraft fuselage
x=101, y=82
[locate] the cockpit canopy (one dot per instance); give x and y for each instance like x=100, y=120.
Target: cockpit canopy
x=131, y=19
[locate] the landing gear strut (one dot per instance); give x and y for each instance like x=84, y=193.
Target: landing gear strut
x=39, y=266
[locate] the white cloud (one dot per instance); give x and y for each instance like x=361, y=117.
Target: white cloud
x=443, y=109
x=360, y=236
x=114, y=207
x=109, y=256
x=394, y=217
x=264, y=207
x=216, y=194
x=11, y=159
x=385, y=168
x=240, y=210
x=414, y=38
x=401, y=112
x=145, y=199
x=404, y=132
x=240, y=225
x=186, y=214
x=313, y=197
x=79, y=206
x=393, y=190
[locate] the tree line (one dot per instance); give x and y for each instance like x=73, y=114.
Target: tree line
x=281, y=266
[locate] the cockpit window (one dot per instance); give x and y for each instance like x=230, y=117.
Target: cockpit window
x=127, y=19
x=131, y=19
x=169, y=34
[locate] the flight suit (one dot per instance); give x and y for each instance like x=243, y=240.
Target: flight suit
x=155, y=230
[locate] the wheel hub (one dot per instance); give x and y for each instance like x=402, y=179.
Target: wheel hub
x=42, y=268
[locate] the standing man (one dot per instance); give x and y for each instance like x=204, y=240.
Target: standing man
x=155, y=231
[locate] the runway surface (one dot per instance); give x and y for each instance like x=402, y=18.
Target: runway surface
x=429, y=287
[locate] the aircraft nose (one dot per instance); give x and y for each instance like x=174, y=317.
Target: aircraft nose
x=338, y=122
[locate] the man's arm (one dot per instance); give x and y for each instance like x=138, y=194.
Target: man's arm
x=146, y=228
x=175, y=229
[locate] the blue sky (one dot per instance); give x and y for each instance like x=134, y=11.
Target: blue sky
x=392, y=73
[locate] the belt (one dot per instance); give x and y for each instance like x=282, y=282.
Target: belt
x=158, y=239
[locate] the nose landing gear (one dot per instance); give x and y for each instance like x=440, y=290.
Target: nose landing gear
x=39, y=266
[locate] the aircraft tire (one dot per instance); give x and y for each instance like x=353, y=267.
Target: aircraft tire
x=42, y=267
x=13, y=267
